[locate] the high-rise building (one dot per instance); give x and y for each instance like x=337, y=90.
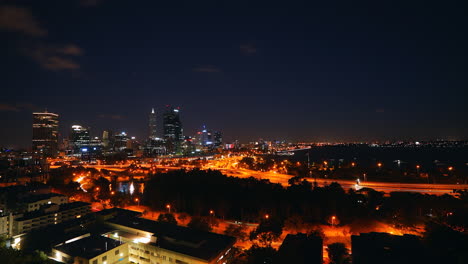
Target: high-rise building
x=45, y=133
x=173, y=132
x=79, y=138
x=153, y=134
x=108, y=140
x=218, y=139
x=120, y=142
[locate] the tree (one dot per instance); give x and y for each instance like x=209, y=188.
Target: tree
x=102, y=187
x=183, y=217
x=200, y=224
x=294, y=223
x=167, y=218
x=236, y=231
x=267, y=231
x=260, y=255
x=338, y=253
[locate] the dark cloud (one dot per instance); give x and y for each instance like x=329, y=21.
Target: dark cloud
x=248, y=49
x=55, y=58
x=114, y=117
x=90, y=3
x=18, y=19
x=48, y=56
x=206, y=68
x=6, y=107
x=70, y=49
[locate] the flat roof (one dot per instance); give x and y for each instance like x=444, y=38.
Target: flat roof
x=62, y=207
x=118, y=212
x=39, y=197
x=199, y=244
x=89, y=247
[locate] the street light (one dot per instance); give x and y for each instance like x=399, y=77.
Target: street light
x=137, y=200
x=211, y=212
x=267, y=216
x=168, y=206
x=333, y=220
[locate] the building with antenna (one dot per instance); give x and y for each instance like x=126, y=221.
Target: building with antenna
x=153, y=133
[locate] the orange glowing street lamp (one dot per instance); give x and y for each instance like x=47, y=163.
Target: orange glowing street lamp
x=267, y=216
x=353, y=164
x=168, y=206
x=417, y=167
x=333, y=220
x=450, y=168
x=379, y=164
x=138, y=201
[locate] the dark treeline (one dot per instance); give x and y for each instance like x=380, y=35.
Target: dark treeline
x=197, y=192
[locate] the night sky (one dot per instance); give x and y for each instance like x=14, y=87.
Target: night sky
x=328, y=71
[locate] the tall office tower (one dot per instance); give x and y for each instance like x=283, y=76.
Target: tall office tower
x=120, y=141
x=205, y=137
x=153, y=134
x=80, y=138
x=218, y=139
x=108, y=140
x=45, y=133
x=173, y=132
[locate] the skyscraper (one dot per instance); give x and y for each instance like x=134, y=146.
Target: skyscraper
x=45, y=133
x=80, y=138
x=218, y=139
x=173, y=132
x=153, y=134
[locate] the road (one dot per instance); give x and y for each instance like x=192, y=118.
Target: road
x=387, y=187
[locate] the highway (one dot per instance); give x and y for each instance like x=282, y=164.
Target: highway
x=386, y=187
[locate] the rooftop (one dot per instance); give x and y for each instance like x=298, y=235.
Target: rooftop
x=199, y=244
x=40, y=197
x=61, y=208
x=89, y=247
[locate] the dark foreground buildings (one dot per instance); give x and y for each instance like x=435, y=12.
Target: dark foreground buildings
x=124, y=237
x=301, y=249
x=441, y=246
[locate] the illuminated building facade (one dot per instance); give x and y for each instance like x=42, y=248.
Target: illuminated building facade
x=156, y=242
x=153, y=134
x=91, y=250
x=79, y=138
x=45, y=133
x=120, y=141
x=217, y=139
x=173, y=132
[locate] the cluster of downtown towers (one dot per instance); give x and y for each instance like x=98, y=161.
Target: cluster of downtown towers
x=45, y=139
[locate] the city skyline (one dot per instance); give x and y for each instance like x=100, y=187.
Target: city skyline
x=329, y=72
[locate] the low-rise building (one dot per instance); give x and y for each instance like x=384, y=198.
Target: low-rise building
x=301, y=248
x=370, y=248
x=35, y=202
x=48, y=215
x=92, y=250
x=152, y=242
